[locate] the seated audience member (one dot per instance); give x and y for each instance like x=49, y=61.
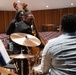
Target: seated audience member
x=59, y=54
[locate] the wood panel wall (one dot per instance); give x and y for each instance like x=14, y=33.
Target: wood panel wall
x=5, y=18
x=52, y=16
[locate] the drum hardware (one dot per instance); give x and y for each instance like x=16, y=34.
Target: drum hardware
x=28, y=50
x=21, y=57
x=21, y=67
x=28, y=41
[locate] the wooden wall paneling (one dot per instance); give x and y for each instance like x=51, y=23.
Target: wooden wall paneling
x=72, y=10
x=52, y=18
x=2, y=22
x=62, y=12
x=13, y=13
x=41, y=19
x=57, y=19
x=49, y=17
x=5, y=19
x=66, y=11
x=57, y=16
x=8, y=18
x=35, y=13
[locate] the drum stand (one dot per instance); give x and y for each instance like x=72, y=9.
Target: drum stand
x=28, y=59
x=21, y=67
x=28, y=50
x=29, y=62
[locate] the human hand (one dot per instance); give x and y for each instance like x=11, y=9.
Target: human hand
x=36, y=71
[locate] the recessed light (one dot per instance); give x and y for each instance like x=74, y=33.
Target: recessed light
x=47, y=6
x=72, y=4
x=18, y=1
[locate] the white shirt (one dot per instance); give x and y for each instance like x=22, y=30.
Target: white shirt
x=56, y=54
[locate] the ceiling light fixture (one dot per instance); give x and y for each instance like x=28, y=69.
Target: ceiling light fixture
x=72, y=4
x=18, y=1
x=47, y=6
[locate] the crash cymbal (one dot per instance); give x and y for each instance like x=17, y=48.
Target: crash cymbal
x=25, y=39
x=4, y=71
x=22, y=56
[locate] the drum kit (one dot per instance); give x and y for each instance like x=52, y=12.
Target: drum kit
x=24, y=40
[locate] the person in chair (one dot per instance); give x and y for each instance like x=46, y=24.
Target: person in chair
x=59, y=54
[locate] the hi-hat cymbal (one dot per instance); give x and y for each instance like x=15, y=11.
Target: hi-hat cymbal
x=22, y=56
x=25, y=39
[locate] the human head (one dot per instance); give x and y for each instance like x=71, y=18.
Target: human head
x=28, y=17
x=19, y=15
x=68, y=23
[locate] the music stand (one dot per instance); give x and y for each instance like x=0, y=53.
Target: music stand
x=4, y=57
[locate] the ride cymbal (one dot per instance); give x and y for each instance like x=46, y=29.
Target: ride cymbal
x=22, y=56
x=25, y=39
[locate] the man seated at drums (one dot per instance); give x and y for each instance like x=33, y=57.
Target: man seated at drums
x=59, y=54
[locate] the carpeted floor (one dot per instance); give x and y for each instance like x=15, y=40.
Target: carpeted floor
x=49, y=35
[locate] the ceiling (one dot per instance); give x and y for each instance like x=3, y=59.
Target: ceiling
x=7, y=5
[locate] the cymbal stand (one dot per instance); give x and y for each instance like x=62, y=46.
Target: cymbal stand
x=28, y=50
x=21, y=67
x=29, y=67
x=22, y=64
x=29, y=62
